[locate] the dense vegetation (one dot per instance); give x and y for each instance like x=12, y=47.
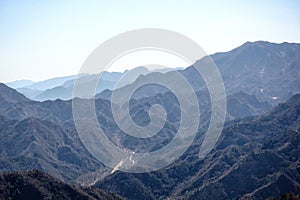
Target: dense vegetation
x=35, y=185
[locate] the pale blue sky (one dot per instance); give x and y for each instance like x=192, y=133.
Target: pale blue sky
x=44, y=39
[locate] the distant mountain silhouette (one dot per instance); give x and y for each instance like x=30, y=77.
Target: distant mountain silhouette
x=19, y=83
x=29, y=93
x=50, y=83
x=62, y=87
x=109, y=81
x=36, y=185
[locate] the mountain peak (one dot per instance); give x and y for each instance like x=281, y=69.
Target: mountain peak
x=11, y=95
x=262, y=43
x=259, y=42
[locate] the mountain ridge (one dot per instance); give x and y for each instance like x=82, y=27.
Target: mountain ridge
x=34, y=185
x=252, y=160
x=272, y=75
x=257, y=154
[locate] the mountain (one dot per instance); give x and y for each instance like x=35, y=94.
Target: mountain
x=62, y=87
x=46, y=137
x=32, y=89
x=29, y=93
x=267, y=70
x=41, y=135
x=19, y=83
x=9, y=96
x=36, y=185
x=109, y=81
x=66, y=93
x=65, y=90
x=50, y=83
x=241, y=104
x=58, y=92
x=32, y=143
x=255, y=158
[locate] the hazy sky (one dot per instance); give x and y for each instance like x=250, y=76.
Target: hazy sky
x=44, y=39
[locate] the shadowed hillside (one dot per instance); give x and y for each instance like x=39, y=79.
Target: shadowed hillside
x=35, y=185
x=255, y=158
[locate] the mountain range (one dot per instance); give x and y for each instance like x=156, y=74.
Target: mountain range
x=256, y=157
x=62, y=87
x=267, y=70
x=256, y=68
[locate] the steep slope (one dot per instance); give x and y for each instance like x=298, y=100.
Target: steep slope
x=9, y=96
x=42, y=135
x=29, y=93
x=35, y=185
x=267, y=70
x=38, y=124
x=255, y=158
x=241, y=104
x=32, y=143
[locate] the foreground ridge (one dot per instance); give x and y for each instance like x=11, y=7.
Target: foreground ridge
x=38, y=185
